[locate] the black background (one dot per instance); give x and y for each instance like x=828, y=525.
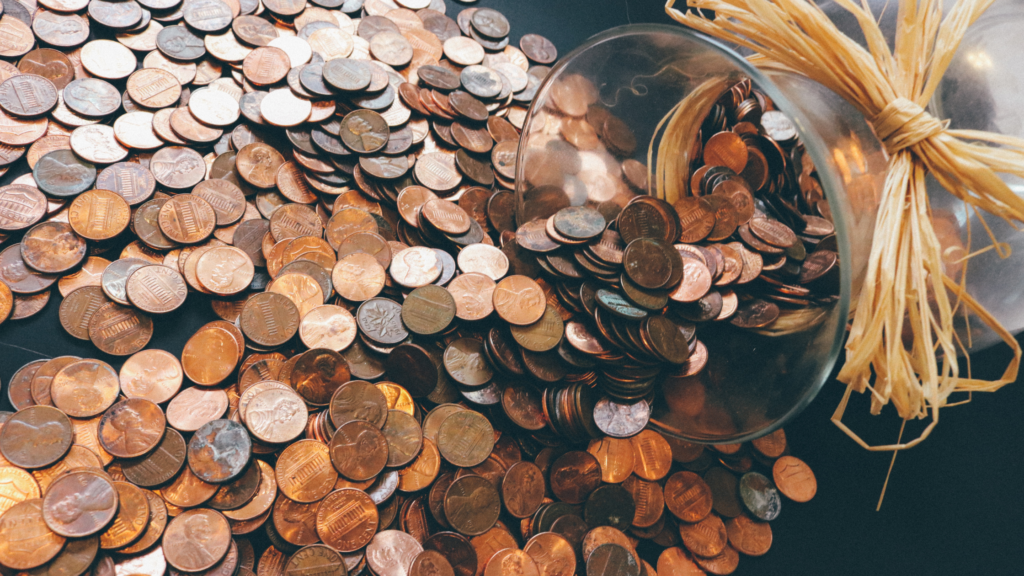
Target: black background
x=953, y=504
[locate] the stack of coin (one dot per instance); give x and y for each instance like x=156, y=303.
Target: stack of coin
x=298, y=466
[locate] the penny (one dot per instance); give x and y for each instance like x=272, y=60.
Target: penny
x=52, y=248
x=196, y=540
x=131, y=428
x=749, y=536
x=523, y=489
x=574, y=475
x=130, y=180
x=194, y=407
x=465, y=362
x=519, y=300
x=23, y=207
x=160, y=465
x=282, y=108
x=219, y=451
x=430, y=562
x=687, y=496
x=261, y=503
x=552, y=553
x=43, y=378
x=304, y=471
x=404, y=438
x=295, y=522
x=27, y=95
x=36, y=437
x=437, y=171
x=428, y=310
x=472, y=505
x=794, y=479
x=358, y=401
x=391, y=553
x=85, y=388
x=24, y=522
x=465, y=438
x=706, y=538
x=724, y=492
x=759, y=496
x=19, y=391
x=653, y=455
x=156, y=289
x=359, y=450
x=615, y=457
x=99, y=215
x=131, y=520
x=269, y=319
x=276, y=416
x=415, y=267
x=347, y=519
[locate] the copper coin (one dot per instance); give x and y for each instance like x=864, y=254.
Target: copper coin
x=359, y=450
x=615, y=456
x=553, y=553
x=52, y=248
x=160, y=465
x=276, y=416
x=177, y=167
x=437, y=171
x=85, y=388
x=196, y=540
x=19, y=391
x=23, y=522
x=706, y=538
x=473, y=294
x=225, y=270
x=187, y=490
x=428, y=310
x=653, y=455
x=187, y=219
x=364, y=131
x=295, y=522
x=193, y=407
x=131, y=520
x=269, y=319
x=522, y=489
x=131, y=428
x=266, y=65
x=27, y=95
x=358, y=401
x=156, y=289
x=574, y=475
x=466, y=363
x=23, y=206
x=260, y=504
x=749, y=536
x=519, y=300
x=210, y=355
x=472, y=505
x=225, y=198
x=430, y=562
x=538, y=48
x=347, y=519
x=99, y=215
x=794, y=479
x=317, y=374
x=36, y=437
x=415, y=267
x=392, y=552
x=404, y=438
x=304, y=471
x=687, y=496
x=465, y=438
x=130, y=180
x=43, y=378
x=358, y=277
x=649, y=499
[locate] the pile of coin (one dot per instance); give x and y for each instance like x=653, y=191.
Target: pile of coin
x=297, y=467
x=387, y=391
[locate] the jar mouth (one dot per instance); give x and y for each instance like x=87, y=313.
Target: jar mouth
x=815, y=146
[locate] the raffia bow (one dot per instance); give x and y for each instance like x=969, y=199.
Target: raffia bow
x=905, y=282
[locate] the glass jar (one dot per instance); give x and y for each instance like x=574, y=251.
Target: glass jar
x=754, y=381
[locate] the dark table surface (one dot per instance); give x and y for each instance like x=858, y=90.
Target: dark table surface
x=953, y=503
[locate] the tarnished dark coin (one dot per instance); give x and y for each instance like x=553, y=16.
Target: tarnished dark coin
x=92, y=97
x=465, y=438
x=27, y=95
x=759, y=496
x=574, y=475
x=522, y=489
x=63, y=174
x=481, y=81
x=219, y=451
x=207, y=15
x=609, y=559
x=179, y=43
x=381, y=321
x=116, y=15
x=472, y=505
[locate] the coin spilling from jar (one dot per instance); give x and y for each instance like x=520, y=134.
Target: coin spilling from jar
x=404, y=379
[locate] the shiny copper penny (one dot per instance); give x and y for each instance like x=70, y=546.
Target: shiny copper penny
x=276, y=416
x=519, y=300
x=749, y=536
x=36, y=437
x=131, y=520
x=552, y=553
x=706, y=538
x=193, y=407
x=358, y=277
x=404, y=438
x=77, y=310
x=269, y=319
x=653, y=455
x=99, y=215
x=24, y=206
x=304, y=471
x=187, y=490
x=347, y=519
x=359, y=450
x=160, y=465
x=574, y=475
x=187, y=219
x=119, y=330
x=85, y=388
x=794, y=479
x=23, y=523
x=131, y=428
x=156, y=289
x=391, y=553
x=196, y=540
x=687, y=496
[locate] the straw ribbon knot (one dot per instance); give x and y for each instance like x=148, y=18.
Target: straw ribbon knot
x=902, y=123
